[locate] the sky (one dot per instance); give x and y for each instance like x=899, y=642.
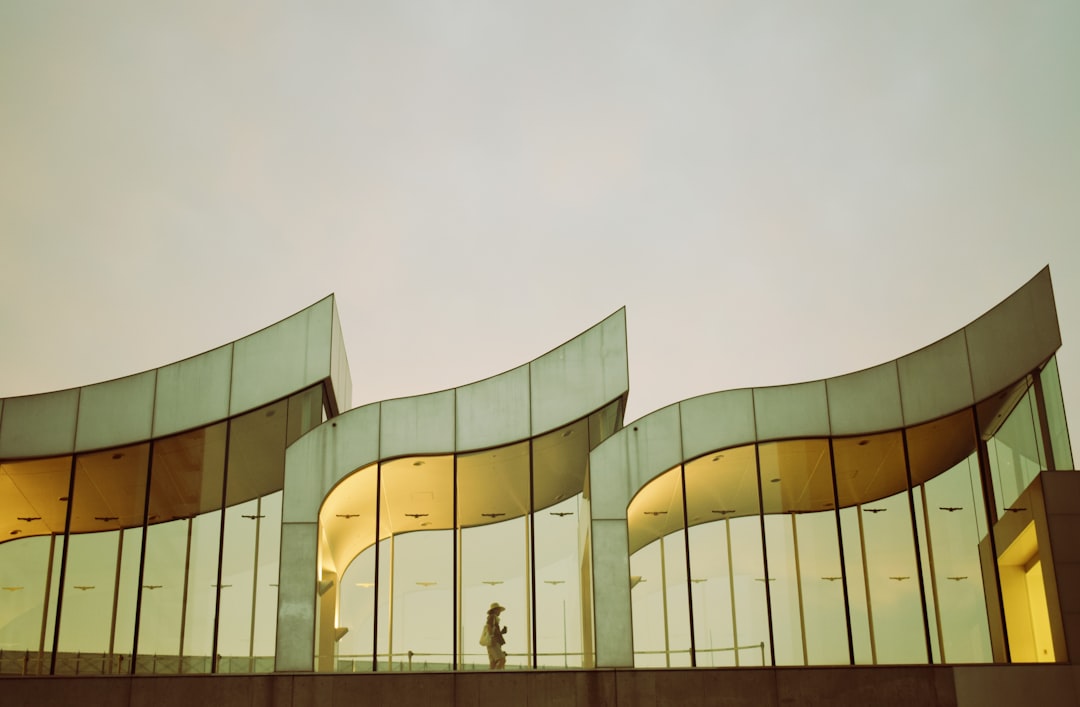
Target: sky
x=776, y=192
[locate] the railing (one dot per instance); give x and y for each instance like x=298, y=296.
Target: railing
x=423, y=662
x=760, y=647
x=35, y=663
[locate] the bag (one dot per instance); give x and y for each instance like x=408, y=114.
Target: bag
x=485, y=636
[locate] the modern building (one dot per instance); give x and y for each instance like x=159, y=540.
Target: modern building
x=228, y=525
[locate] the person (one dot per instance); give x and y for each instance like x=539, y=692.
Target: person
x=496, y=655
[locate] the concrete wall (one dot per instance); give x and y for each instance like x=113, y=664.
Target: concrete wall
x=975, y=686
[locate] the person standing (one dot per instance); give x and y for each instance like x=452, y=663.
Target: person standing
x=496, y=655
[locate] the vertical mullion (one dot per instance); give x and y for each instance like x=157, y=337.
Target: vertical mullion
x=142, y=558
x=764, y=554
x=375, y=593
x=689, y=577
x=221, y=549
x=918, y=552
x=531, y=568
x=63, y=566
x=843, y=562
x=990, y=509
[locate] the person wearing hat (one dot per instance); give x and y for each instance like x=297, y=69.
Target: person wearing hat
x=496, y=655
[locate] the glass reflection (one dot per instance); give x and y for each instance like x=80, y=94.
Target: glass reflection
x=726, y=559
x=109, y=494
x=417, y=513
x=1015, y=451
x=558, y=585
x=178, y=595
x=493, y=508
x=809, y=617
x=1055, y=415
x=660, y=591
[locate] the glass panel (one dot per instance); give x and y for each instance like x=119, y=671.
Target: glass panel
x=560, y=460
x=177, y=615
x=1015, y=452
x=256, y=467
x=305, y=413
x=265, y=611
x=558, y=585
x=493, y=505
x=357, y=613
x=879, y=548
x=731, y=624
x=347, y=521
x=33, y=502
x=803, y=553
x=24, y=573
x=950, y=511
x=660, y=586
x=110, y=494
x=239, y=564
x=1055, y=416
x=418, y=511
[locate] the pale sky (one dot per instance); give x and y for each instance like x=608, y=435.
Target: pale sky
x=777, y=192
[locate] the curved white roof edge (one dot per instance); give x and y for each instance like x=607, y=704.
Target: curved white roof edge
x=295, y=353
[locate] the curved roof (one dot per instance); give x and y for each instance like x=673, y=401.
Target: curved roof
x=484, y=424
x=299, y=351
x=979, y=364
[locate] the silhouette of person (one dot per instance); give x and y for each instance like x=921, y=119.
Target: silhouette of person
x=496, y=655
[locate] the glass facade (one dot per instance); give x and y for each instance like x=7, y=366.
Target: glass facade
x=158, y=557
x=458, y=533
x=870, y=549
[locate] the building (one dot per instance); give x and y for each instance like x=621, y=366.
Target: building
x=227, y=525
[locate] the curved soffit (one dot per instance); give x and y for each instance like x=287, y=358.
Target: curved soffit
x=544, y=415
x=932, y=390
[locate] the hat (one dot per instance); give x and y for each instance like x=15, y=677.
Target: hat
x=495, y=607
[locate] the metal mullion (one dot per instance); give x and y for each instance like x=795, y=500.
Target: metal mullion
x=933, y=573
x=116, y=592
x=142, y=558
x=375, y=586
x=531, y=529
x=455, y=580
x=982, y=456
x=918, y=553
x=689, y=577
x=798, y=586
x=221, y=548
x=840, y=548
x=45, y=605
x=764, y=553
x=63, y=566
x=1043, y=423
